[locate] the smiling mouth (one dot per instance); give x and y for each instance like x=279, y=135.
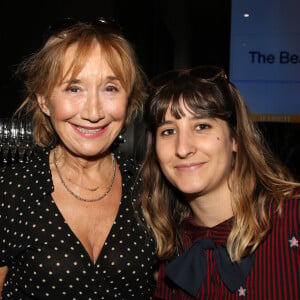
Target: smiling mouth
x=189, y=167
x=89, y=131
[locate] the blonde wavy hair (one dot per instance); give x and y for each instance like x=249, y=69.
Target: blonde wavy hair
x=258, y=178
x=43, y=70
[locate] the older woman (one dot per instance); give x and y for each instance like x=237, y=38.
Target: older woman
x=70, y=228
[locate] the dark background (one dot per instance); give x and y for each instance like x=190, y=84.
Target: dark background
x=166, y=34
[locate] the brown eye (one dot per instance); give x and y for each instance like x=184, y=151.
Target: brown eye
x=112, y=88
x=167, y=132
x=202, y=126
x=73, y=89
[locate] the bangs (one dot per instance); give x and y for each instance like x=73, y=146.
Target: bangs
x=200, y=102
x=119, y=64
x=83, y=49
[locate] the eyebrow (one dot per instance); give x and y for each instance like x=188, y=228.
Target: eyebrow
x=112, y=78
x=194, y=117
x=166, y=122
x=75, y=80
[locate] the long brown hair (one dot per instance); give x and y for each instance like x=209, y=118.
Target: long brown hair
x=257, y=176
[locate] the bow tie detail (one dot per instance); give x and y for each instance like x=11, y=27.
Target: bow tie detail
x=188, y=270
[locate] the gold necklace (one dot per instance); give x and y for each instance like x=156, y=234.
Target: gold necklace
x=77, y=196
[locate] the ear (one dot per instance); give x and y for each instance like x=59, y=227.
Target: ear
x=43, y=104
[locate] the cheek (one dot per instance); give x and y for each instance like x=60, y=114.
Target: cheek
x=223, y=148
x=118, y=109
x=163, y=162
x=159, y=151
x=207, y=144
x=120, y=112
x=62, y=109
x=163, y=152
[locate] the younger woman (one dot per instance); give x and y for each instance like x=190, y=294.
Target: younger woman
x=225, y=213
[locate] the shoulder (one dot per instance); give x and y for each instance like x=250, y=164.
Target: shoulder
x=37, y=164
x=129, y=168
x=287, y=217
x=127, y=164
x=27, y=178
x=292, y=202
x=131, y=177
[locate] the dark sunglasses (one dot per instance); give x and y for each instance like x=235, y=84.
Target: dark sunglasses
x=207, y=72
x=104, y=25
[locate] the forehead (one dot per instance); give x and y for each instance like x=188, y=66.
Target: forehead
x=75, y=59
x=93, y=66
x=180, y=108
x=185, y=112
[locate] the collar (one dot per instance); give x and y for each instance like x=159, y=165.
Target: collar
x=218, y=233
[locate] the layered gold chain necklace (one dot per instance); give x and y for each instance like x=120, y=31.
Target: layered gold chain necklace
x=74, y=194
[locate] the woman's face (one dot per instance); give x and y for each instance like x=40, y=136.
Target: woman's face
x=195, y=154
x=87, y=113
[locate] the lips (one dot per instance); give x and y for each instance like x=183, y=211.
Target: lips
x=90, y=132
x=189, y=167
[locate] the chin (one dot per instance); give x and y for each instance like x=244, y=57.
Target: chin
x=189, y=190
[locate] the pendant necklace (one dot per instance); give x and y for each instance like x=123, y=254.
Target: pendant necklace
x=77, y=196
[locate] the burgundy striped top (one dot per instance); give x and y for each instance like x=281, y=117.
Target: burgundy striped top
x=275, y=273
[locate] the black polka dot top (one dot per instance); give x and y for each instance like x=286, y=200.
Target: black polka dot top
x=44, y=257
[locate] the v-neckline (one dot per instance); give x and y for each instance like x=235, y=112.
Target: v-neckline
x=75, y=238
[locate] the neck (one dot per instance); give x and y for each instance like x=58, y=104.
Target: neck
x=211, y=211
x=92, y=175
x=79, y=166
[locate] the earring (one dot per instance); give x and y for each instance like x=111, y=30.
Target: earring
x=118, y=141
x=120, y=138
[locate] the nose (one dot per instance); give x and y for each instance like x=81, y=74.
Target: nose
x=185, y=145
x=93, y=108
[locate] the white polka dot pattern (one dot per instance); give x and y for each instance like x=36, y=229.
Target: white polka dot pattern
x=47, y=261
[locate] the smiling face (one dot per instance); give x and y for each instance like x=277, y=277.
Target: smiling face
x=195, y=154
x=88, y=112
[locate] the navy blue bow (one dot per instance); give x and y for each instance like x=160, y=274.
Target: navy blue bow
x=188, y=270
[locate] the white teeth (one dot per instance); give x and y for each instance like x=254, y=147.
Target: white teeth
x=91, y=131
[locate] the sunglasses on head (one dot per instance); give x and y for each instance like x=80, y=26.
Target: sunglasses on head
x=207, y=72
x=104, y=25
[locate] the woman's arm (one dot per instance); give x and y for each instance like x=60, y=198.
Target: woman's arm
x=3, y=272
